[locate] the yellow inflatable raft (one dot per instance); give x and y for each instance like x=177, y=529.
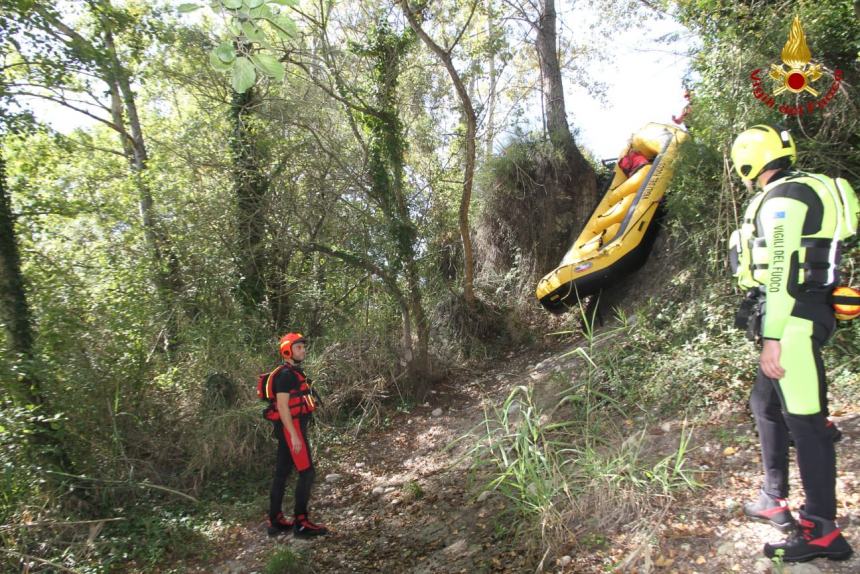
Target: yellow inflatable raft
x=619, y=235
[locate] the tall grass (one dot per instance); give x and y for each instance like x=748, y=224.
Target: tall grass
x=574, y=471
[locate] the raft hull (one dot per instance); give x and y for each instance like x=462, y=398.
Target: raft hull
x=568, y=294
x=619, y=235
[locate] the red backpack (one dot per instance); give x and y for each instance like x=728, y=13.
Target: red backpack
x=265, y=392
x=265, y=382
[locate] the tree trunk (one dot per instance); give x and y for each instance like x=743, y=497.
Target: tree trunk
x=250, y=186
x=576, y=179
x=14, y=309
x=491, y=96
x=26, y=389
x=167, y=277
x=469, y=160
x=556, y=115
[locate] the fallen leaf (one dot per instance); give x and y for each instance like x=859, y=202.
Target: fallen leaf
x=729, y=451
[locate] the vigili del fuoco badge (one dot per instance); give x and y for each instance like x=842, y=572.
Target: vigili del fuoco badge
x=796, y=74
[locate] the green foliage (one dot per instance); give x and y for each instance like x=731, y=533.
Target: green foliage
x=254, y=29
x=413, y=490
x=23, y=480
x=554, y=471
x=386, y=140
x=285, y=560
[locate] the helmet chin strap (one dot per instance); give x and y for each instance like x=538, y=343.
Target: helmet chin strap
x=748, y=184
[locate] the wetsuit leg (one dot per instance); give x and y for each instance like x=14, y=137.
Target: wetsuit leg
x=306, y=477
x=283, y=466
x=773, y=435
x=803, y=390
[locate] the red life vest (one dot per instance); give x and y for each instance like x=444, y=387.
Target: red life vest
x=301, y=401
x=631, y=162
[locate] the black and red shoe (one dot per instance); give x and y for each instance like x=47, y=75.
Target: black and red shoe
x=774, y=511
x=279, y=525
x=304, y=528
x=815, y=537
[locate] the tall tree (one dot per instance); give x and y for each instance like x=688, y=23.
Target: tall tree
x=444, y=53
x=580, y=174
x=26, y=390
x=372, y=108
x=250, y=186
x=14, y=309
x=74, y=76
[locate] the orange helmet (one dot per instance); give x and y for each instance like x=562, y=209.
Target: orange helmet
x=286, y=344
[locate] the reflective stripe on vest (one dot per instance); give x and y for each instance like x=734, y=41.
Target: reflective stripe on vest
x=301, y=401
x=740, y=245
x=819, y=252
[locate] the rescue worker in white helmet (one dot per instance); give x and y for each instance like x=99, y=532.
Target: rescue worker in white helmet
x=787, y=254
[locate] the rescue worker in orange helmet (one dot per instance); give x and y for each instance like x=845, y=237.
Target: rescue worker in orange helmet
x=291, y=395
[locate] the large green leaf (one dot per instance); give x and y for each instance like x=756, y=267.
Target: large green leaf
x=244, y=74
x=226, y=52
x=188, y=7
x=232, y=4
x=285, y=2
x=235, y=27
x=253, y=33
x=284, y=26
x=218, y=63
x=262, y=12
x=269, y=65
x=254, y=3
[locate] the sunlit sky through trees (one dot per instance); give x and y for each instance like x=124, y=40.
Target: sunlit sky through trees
x=642, y=74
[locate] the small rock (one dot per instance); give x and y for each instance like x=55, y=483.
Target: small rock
x=389, y=489
x=762, y=566
x=426, y=405
x=437, y=412
x=484, y=496
x=378, y=491
x=359, y=465
x=514, y=408
x=333, y=477
x=666, y=427
x=726, y=548
x=732, y=505
x=564, y=561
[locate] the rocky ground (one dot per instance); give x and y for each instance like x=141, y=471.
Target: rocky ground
x=406, y=498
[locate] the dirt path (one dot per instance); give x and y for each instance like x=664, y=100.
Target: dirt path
x=402, y=500
x=705, y=532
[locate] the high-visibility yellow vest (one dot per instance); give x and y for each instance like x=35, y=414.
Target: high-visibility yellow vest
x=819, y=252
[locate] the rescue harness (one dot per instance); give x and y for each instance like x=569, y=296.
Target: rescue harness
x=819, y=252
x=302, y=401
